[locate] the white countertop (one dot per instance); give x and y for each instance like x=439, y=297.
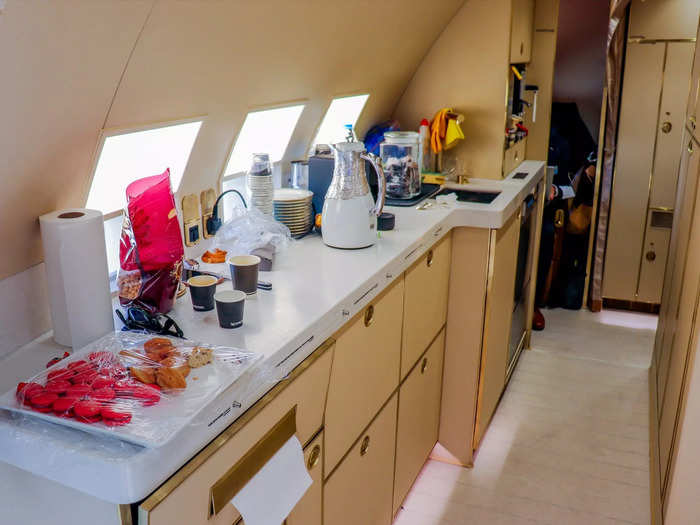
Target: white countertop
x=315, y=290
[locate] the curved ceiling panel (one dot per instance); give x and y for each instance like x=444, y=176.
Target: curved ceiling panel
x=62, y=63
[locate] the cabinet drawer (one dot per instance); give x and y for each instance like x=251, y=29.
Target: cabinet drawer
x=419, y=418
x=308, y=511
x=513, y=156
x=365, y=371
x=359, y=491
x=425, y=301
x=186, y=497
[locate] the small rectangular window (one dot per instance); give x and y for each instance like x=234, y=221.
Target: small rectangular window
x=113, y=230
x=341, y=112
x=265, y=131
x=128, y=156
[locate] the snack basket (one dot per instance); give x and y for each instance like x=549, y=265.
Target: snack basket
x=134, y=387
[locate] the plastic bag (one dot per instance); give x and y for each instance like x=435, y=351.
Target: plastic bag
x=251, y=230
x=131, y=386
x=150, y=251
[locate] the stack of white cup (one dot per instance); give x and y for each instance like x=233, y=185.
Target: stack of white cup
x=259, y=183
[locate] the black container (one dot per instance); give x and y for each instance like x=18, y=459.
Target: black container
x=202, y=290
x=229, y=308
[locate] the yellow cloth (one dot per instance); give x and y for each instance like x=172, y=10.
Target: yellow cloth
x=453, y=133
x=438, y=129
x=444, y=128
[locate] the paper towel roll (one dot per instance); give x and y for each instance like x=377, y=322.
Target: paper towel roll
x=77, y=275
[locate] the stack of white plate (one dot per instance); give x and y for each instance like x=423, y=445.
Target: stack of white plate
x=293, y=209
x=260, y=192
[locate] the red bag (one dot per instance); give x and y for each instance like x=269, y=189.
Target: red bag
x=150, y=251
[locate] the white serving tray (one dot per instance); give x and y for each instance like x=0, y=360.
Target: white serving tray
x=150, y=426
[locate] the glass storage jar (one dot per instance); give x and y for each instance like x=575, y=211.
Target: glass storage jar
x=400, y=152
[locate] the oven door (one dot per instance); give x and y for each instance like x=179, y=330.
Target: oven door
x=523, y=273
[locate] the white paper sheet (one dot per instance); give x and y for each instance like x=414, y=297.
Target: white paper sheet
x=269, y=497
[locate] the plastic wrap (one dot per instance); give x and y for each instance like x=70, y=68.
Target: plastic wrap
x=251, y=230
x=150, y=251
x=135, y=387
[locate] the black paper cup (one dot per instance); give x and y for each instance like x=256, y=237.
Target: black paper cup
x=244, y=273
x=202, y=290
x=229, y=308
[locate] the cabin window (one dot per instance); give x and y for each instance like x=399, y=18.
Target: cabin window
x=341, y=112
x=231, y=201
x=265, y=131
x=127, y=156
x=113, y=230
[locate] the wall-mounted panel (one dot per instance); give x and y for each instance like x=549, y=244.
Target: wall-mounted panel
x=60, y=63
x=231, y=57
x=466, y=69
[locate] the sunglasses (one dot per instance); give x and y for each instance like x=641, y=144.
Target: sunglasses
x=140, y=320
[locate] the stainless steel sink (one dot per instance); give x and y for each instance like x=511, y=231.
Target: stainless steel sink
x=478, y=196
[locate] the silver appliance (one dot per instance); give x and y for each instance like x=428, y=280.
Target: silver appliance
x=523, y=281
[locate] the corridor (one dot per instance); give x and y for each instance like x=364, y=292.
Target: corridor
x=569, y=441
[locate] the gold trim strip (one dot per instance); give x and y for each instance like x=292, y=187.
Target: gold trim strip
x=664, y=209
x=125, y=517
x=511, y=365
x=245, y=468
x=596, y=195
x=493, y=237
x=642, y=40
x=197, y=461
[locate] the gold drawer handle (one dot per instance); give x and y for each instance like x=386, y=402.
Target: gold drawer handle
x=691, y=150
x=364, y=446
x=424, y=365
x=369, y=315
x=429, y=258
x=314, y=457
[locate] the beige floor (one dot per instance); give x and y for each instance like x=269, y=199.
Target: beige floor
x=569, y=441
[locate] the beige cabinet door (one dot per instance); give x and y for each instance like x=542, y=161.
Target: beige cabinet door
x=684, y=338
x=664, y=19
x=425, y=302
x=675, y=269
x=514, y=156
x=419, y=418
x=359, y=491
x=693, y=111
x=499, y=311
x=633, y=165
x=654, y=256
x=365, y=371
x=309, y=509
x=523, y=14
x=669, y=132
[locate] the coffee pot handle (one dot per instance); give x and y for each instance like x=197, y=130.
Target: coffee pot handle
x=381, y=181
